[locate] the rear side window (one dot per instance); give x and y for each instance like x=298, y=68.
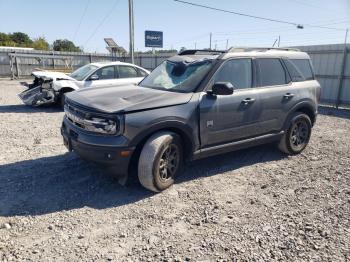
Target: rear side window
x=106, y=73
x=304, y=67
x=236, y=71
x=271, y=72
x=294, y=72
x=127, y=72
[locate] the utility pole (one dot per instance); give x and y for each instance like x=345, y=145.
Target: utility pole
x=279, y=40
x=131, y=30
x=346, y=35
x=226, y=44
x=210, y=42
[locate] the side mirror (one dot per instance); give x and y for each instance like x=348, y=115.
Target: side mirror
x=222, y=88
x=94, y=77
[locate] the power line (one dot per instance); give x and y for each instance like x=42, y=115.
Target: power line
x=300, y=26
x=102, y=21
x=81, y=19
x=237, y=13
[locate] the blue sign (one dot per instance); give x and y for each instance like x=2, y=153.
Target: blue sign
x=153, y=39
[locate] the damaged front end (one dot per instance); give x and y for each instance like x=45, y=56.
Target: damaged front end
x=38, y=93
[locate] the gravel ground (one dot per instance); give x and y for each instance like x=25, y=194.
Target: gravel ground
x=250, y=205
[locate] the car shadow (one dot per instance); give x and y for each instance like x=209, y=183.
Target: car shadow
x=222, y=163
x=65, y=182
x=29, y=109
x=331, y=111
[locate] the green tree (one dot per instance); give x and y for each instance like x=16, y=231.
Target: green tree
x=65, y=45
x=40, y=43
x=5, y=40
x=21, y=39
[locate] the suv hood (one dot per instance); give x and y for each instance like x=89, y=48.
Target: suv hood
x=47, y=75
x=127, y=98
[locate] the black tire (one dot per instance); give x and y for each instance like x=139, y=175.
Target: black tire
x=297, y=134
x=161, y=160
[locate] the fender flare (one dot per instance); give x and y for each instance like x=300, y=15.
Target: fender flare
x=184, y=130
x=304, y=105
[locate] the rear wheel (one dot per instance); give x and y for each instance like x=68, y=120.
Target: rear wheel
x=161, y=160
x=297, y=136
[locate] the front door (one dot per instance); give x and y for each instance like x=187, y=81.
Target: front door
x=227, y=118
x=106, y=77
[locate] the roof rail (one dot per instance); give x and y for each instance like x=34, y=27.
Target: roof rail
x=246, y=49
x=201, y=51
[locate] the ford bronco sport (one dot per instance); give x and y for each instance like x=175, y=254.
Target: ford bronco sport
x=194, y=105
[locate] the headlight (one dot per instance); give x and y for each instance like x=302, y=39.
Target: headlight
x=94, y=123
x=101, y=125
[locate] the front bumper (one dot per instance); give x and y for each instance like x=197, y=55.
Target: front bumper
x=97, y=148
x=37, y=96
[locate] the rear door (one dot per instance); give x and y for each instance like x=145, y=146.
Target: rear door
x=278, y=93
x=227, y=118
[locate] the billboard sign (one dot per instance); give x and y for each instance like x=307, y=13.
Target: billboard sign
x=154, y=39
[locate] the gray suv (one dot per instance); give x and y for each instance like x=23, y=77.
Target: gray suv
x=196, y=104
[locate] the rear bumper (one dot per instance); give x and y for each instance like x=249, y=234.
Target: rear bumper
x=107, y=155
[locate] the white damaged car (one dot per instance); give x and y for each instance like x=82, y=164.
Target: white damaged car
x=51, y=87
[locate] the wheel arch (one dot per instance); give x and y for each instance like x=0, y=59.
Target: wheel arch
x=177, y=127
x=305, y=107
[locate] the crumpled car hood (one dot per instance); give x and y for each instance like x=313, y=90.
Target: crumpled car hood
x=127, y=98
x=48, y=75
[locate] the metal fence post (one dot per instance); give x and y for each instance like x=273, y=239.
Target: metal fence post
x=341, y=77
x=11, y=67
x=17, y=67
x=53, y=60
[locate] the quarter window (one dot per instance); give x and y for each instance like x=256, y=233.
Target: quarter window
x=271, y=72
x=238, y=72
x=304, y=67
x=294, y=72
x=127, y=72
x=106, y=73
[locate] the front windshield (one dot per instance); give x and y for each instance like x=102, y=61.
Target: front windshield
x=177, y=76
x=83, y=72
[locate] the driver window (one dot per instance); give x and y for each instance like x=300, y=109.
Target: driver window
x=105, y=73
x=236, y=71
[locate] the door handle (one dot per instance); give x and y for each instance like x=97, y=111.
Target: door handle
x=288, y=96
x=248, y=101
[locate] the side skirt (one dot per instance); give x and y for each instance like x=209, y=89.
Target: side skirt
x=237, y=145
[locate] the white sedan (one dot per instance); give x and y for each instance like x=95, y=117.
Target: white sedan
x=50, y=87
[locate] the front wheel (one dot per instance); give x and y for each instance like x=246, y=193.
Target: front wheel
x=297, y=136
x=161, y=160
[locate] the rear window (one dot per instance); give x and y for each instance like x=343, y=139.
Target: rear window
x=304, y=67
x=271, y=72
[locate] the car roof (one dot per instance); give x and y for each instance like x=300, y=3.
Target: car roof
x=267, y=53
x=291, y=53
x=108, y=63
